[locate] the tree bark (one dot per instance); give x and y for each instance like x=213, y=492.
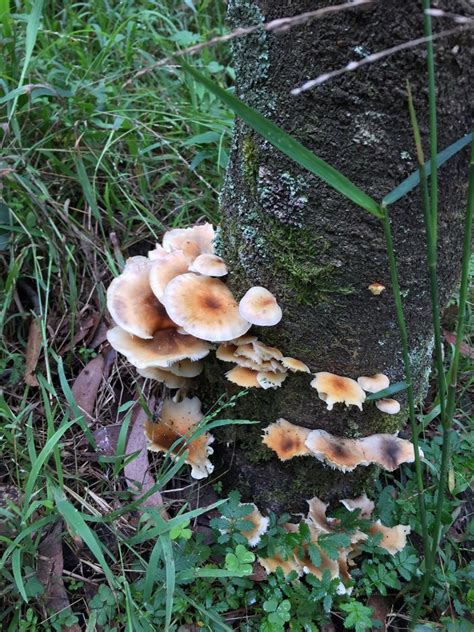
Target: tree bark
x=318, y=253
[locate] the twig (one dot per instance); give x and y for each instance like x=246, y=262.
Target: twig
x=279, y=25
x=370, y=59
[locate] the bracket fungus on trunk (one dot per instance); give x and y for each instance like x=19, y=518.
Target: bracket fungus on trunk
x=286, y=439
x=335, y=389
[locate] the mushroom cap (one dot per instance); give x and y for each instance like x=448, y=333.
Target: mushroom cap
x=338, y=452
x=259, y=307
x=373, y=383
x=260, y=525
x=243, y=340
x=177, y=420
x=157, y=253
x=286, y=439
x=394, y=538
x=269, y=379
x=248, y=351
x=295, y=365
x=387, y=450
x=166, y=268
x=204, y=307
x=161, y=375
x=326, y=563
x=270, y=564
x=227, y=352
x=209, y=265
x=317, y=514
x=165, y=348
x=247, y=378
x=131, y=302
x=389, y=406
x=376, y=288
x=197, y=239
x=334, y=389
x=186, y=368
x=363, y=503
x=266, y=352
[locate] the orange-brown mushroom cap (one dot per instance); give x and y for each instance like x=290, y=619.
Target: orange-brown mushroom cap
x=186, y=368
x=270, y=379
x=260, y=525
x=209, y=265
x=334, y=389
x=179, y=420
x=389, y=406
x=376, y=288
x=201, y=235
x=259, y=307
x=166, y=268
x=247, y=378
x=363, y=503
x=373, y=383
x=132, y=304
x=388, y=451
x=165, y=348
x=394, y=538
x=317, y=514
x=338, y=452
x=204, y=307
x=286, y=439
x=166, y=377
x=295, y=365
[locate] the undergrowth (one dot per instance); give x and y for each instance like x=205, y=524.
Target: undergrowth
x=89, y=170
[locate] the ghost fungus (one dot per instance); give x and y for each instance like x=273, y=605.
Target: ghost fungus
x=164, y=349
x=286, y=439
x=209, y=265
x=259, y=307
x=204, y=307
x=334, y=389
x=132, y=304
x=173, y=433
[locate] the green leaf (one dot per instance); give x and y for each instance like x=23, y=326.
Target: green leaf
x=289, y=145
x=358, y=617
x=414, y=180
x=390, y=390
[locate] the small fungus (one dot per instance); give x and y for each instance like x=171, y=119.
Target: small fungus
x=166, y=377
x=268, y=379
x=178, y=420
x=132, y=304
x=259, y=307
x=193, y=240
x=376, y=288
x=247, y=378
x=204, y=307
x=260, y=525
x=389, y=406
x=363, y=503
x=374, y=383
x=186, y=368
x=334, y=389
x=286, y=439
x=295, y=365
x=164, y=349
x=270, y=564
x=209, y=265
x=317, y=514
x=266, y=352
x=394, y=538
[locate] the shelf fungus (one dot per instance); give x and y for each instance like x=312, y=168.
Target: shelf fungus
x=165, y=269
x=286, y=439
x=373, y=383
x=172, y=433
x=394, y=539
x=335, y=389
x=194, y=240
x=389, y=406
x=259, y=525
x=260, y=307
x=295, y=365
x=363, y=503
x=385, y=450
x=209, y=265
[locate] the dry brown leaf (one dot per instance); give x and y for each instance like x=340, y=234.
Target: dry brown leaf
x=50, y=570
x=106, y=439
x=84, y=326
x=381, y=607
x=465, y=349
x=87, y=384
x=33, y=350
x=100, y=335
x=137, y=473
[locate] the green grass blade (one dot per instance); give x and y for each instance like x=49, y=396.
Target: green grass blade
x=16, y=568
x=77, y=523
x=390, y=390
x=31, y=35
x=289, y=146
x=414, y=180
x=170, y=578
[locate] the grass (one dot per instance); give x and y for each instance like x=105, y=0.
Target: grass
x=93, y=172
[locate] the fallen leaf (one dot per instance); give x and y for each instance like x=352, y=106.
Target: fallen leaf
x=84, y=326
x=137, y=471
x=465, y=350
x=100, y=335
x=87, y=384
x=381, y=607
x=33, y=350
x=50, y=570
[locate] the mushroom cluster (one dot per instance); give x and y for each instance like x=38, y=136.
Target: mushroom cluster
x=288, y=440
x=393, y=541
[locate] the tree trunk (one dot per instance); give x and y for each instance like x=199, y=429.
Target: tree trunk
x=318, y=253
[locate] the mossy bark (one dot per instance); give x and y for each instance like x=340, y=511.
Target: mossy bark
x=318, y=253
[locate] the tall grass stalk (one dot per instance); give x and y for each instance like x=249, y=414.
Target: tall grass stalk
x=447, y=423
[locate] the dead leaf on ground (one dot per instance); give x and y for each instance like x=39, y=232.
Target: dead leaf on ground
x=137, y=471
x=106, y=439
x=33, y=351
x=99, y=336
x=50, y=570
x=84, y=326
x=465, y=350
x=87, y=384
x=381, y=607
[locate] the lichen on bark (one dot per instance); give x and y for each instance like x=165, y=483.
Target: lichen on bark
x=286, y=230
